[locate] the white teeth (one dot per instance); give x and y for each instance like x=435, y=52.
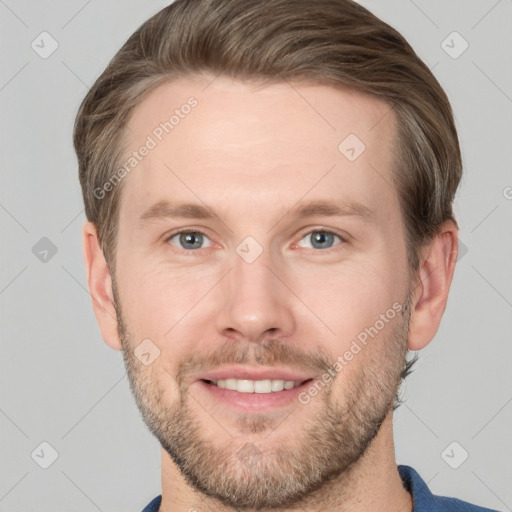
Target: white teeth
x=277, y=385
x=256, y=386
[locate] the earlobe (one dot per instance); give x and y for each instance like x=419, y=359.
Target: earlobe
x=430, y=293
x=100, y=286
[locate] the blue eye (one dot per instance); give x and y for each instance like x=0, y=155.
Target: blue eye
x=321, y=239
x=189, y=239
x=193, y=240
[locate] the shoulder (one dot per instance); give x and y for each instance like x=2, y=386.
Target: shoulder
x=425, y=501
x=154, y=505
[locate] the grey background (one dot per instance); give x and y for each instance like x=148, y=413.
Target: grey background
x=61, y=384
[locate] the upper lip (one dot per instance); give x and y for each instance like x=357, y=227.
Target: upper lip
x=247, y=373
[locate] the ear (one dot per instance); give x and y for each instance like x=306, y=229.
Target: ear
x=430, y=293
x=100, y=286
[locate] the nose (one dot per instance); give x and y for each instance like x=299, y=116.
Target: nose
x=254, y=301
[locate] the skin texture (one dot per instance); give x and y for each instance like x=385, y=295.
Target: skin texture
x=252, y=155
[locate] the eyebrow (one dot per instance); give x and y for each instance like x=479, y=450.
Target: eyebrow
x=324, y=208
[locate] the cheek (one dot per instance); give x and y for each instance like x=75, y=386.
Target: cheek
x=350, y=297
x=158, y=300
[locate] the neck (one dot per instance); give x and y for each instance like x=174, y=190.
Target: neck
x=372, y=483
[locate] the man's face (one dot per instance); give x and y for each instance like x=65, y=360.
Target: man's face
x=257, y=290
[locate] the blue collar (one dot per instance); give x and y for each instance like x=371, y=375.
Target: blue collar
x=424, y=500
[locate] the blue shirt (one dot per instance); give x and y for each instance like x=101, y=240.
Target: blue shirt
x=424, y=500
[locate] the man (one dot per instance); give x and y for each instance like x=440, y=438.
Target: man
x=269, y=186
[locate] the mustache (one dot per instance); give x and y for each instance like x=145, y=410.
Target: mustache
x=269, y=352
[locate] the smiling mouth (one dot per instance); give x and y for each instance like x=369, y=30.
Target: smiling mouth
x=266, y=386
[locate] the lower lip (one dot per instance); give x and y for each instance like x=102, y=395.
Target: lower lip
x=254, y=401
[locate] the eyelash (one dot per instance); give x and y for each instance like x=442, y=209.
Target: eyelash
x=315, y=230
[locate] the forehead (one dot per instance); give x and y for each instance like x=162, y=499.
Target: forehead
x=244, y=145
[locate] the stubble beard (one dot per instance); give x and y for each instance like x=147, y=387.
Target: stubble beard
x=273, y=471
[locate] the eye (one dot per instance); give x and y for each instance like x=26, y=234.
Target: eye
x=321, y=238
x=188, y=240
x=193, y=240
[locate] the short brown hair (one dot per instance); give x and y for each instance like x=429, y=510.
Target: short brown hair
x=331, y=42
